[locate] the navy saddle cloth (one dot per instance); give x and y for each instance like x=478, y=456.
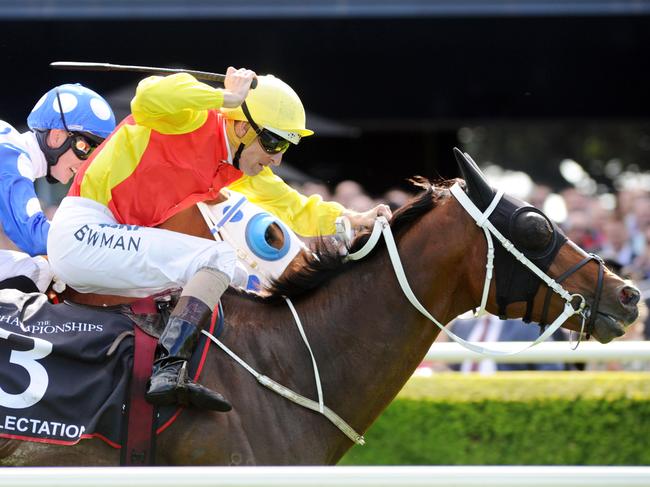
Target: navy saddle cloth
x=64, y=370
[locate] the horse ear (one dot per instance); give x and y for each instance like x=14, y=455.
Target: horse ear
x=478, y=189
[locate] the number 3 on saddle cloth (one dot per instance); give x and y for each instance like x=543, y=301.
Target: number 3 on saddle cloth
x=265, y=246
x=65, y=370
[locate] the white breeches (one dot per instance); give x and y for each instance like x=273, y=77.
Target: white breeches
x=14, y=264
x=91, y=252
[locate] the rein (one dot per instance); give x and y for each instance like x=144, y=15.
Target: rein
x=287, y=393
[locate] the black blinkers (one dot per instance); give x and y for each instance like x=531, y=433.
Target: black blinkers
x=534, y=235
x=526, y=227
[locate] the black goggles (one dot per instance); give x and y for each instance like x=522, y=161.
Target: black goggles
x=82, y=146
x=272, y=143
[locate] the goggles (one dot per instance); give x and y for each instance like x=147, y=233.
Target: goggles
x=272, y=143
x=81, y=146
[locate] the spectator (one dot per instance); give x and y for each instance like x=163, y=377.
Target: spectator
x=578, y=228
x=346, y=191
x=396, y=198
x=320, y=189
x=617, y=244
x=361, y=202
x=538, y=195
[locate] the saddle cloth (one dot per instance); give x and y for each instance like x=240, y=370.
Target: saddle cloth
x=65, y=369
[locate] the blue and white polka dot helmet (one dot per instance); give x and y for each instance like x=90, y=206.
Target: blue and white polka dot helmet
x=83, y=109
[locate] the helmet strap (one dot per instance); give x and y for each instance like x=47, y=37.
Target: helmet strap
x=49, y=178
x=235, y=158
x=51, y=155
x=244, y=141
x=249, y=117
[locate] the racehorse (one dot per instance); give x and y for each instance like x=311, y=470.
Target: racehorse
x=364, y=333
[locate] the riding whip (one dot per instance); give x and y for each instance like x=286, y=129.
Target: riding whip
x=82, y=66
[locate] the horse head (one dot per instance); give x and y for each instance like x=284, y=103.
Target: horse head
x=610, y=303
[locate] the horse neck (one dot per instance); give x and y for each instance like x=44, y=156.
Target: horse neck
x=367, y=337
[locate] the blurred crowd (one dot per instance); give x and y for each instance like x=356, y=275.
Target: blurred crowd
x=620, y=235
x=352, y=195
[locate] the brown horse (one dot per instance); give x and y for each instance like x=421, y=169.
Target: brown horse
x=365, y=335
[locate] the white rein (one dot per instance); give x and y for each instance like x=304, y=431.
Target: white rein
x=481, y=219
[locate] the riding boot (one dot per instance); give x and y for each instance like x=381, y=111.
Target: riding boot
x=170, y=383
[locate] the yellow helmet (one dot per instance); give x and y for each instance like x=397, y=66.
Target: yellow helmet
x=273, y=105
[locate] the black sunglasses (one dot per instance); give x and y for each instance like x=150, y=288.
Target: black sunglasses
x=272, y=143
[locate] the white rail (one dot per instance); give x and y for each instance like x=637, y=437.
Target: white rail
x=495, y=476
x=546, y=352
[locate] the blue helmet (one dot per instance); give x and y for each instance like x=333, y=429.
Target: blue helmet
x=83, y=111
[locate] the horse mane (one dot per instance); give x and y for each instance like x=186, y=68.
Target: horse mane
x=326, y=261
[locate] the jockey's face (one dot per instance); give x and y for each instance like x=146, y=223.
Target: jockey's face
x=68, y=163
x=253, y=158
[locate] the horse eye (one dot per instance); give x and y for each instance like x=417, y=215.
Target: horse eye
x=274, y=236
x=532, y=231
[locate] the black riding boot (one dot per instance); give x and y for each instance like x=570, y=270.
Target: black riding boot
x=169, y=383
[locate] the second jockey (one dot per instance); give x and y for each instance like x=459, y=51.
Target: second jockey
x=183, y=143
x=66, y=124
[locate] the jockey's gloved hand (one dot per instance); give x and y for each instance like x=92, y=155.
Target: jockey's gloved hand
x=366, y=219
x=236, y=86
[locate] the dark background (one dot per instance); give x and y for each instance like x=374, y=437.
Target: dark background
x=394, y=92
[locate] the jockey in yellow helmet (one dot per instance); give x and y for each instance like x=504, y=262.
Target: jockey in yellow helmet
x=183, y=143
x=275, y=117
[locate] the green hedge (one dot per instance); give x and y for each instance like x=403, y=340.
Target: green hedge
x=555, y=418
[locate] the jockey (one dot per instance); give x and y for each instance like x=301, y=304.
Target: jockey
x=183, y=143
x=66, y=124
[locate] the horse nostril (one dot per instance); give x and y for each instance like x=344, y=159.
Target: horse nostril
x=629, y=296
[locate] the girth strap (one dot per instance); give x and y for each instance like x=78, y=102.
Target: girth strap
x=139, y=449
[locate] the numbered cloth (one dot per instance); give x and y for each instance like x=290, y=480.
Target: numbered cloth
x=64, y=370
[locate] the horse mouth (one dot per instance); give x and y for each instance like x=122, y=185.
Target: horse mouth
x=607, y=327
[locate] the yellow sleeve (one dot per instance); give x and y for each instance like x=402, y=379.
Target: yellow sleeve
x=307, y=216
x=174, y=104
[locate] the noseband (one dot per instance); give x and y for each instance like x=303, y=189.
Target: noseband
x=593, y=310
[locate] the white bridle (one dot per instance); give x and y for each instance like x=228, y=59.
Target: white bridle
x=481, y=218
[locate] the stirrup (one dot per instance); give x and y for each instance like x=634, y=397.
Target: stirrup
x=174, y=387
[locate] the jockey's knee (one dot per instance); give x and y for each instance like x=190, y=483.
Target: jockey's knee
x=222, y=258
